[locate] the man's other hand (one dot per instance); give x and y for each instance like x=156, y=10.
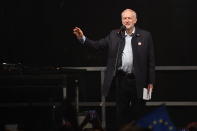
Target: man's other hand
x=78, y=33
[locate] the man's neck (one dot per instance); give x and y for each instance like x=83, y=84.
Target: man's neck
x=130, y=31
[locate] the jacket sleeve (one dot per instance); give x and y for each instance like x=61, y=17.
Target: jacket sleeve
x=151, y=61
x=98, y=44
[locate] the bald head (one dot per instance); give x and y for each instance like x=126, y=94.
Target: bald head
x=129, y=11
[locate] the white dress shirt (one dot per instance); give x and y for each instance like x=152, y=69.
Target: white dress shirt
x=127, y=55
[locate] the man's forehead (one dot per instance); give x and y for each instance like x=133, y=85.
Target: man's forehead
x=129, y=14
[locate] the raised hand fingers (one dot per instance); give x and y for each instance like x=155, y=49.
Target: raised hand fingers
x=76, y=29
x=78, y=32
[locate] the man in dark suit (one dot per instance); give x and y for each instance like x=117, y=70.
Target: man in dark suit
x=130, y=65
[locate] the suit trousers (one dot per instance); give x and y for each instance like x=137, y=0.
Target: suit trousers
x=128, y=106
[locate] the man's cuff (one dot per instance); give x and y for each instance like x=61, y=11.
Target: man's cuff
x=82, y=40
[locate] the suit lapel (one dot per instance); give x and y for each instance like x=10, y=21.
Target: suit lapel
x=134, y=42
x=121, y=45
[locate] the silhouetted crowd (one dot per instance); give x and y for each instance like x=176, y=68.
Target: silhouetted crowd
x=67, y=120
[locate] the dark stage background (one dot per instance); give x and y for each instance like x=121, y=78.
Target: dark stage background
x=39, y=33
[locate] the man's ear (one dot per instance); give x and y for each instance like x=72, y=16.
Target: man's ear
x=135, y=20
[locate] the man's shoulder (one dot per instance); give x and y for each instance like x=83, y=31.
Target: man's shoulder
x=114, y=31
x=141, y=31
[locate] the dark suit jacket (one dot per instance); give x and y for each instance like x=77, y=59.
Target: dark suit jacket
x=143, y=57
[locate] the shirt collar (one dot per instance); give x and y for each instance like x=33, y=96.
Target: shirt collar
x=131, y=33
